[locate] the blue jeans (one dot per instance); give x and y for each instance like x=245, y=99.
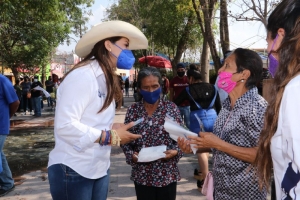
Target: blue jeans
x=66, y=184
x=37, y=106
x=185, y=114
x=6, y=180
x=49, y=102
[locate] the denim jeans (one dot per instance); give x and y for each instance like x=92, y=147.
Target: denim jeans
x=6, y=180
x=27, y=103
x=66, y=184
x=185, y=114
x=37, y=106
x=49, y=102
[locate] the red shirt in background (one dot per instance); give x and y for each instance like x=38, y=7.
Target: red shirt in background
x=178, y=85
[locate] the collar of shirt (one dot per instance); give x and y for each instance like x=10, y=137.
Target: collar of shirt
x=244, y=99
x=96, y=68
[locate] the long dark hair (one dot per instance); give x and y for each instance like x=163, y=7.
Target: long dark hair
x=102, y=55
x=287, y=16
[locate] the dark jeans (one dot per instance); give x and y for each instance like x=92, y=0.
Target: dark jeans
x=156, y=193
x=49, y=102
x=26, y=103
x=37, y=106
x=66, y=184
x=185, y=114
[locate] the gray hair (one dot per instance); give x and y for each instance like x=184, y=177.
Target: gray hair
x=148, y=71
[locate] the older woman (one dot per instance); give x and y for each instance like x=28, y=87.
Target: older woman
x=157, y=179
x=280, y=138
x=79, y=164
x=236, y=131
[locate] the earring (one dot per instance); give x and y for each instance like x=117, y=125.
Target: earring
x=242, y=80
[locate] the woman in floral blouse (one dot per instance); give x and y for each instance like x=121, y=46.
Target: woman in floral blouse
x=236, y=131
x=157, y=179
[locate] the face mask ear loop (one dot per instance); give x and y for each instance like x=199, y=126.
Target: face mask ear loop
x=112, y=52
x=273, y=44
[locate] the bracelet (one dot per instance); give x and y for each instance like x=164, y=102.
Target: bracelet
x=106, y=138
x=100, y=139
x=115, y=138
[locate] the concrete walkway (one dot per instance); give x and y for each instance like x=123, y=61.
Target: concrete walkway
x=35, y=186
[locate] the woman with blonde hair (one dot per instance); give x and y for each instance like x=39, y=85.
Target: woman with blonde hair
x=84, y=132
x=280, y=139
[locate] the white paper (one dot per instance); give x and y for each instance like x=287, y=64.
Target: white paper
x=150, y=154
x=175, y=131
x=43, y=90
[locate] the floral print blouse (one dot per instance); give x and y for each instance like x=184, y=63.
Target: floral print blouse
x=157, y=173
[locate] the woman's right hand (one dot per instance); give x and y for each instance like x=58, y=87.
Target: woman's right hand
x=135, y=157
x=184, y=145
x=125, y=135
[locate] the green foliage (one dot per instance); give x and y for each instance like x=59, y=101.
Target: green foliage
x=164, y=19
x=31, y=29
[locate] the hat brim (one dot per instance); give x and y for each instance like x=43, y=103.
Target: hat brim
x=137, y=40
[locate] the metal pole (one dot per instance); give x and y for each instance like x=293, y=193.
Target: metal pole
x=146, y=58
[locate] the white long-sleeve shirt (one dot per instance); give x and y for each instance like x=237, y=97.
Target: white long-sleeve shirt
x=285, y=144
x=78, y=124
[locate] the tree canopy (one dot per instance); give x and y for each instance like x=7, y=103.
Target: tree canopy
x=30, y=29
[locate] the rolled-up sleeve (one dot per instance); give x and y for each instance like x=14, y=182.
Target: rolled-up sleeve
x=73, y=98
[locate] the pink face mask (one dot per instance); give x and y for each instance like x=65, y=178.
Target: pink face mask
x=225, y=82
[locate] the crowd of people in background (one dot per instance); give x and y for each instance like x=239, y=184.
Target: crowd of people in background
x=31, y=100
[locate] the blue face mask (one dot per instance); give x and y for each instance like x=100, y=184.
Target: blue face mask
x=151, y=97
x=125, y=59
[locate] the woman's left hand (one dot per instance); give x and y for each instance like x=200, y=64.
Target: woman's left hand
x=170, y=154
x=205, y=140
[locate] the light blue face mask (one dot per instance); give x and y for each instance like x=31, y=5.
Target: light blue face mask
x=125, y=60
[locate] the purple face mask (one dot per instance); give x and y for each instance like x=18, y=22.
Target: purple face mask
x=273, y=62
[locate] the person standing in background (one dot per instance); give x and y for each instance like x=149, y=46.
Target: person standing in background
x=18, y=90
x=36, y=97
x=49, y=88
x=26, y=95
x=127, y=87
x=165, y=86
x=177, y=85
x=9, y=104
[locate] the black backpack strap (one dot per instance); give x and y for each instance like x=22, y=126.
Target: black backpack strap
x=188, y=91
x=213, y=101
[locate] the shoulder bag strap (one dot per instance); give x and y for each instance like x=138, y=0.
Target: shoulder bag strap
x=213, y=101
x=188, y=91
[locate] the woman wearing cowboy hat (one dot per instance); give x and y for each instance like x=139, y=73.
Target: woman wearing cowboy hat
x=84, y=132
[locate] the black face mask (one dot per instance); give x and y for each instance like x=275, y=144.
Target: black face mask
x=180, y=74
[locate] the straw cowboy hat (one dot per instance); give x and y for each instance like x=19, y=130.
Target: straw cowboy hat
x=137, y=40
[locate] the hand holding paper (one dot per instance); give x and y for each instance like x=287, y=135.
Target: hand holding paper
x=176, y=131
x=43, y=90
x=150, y=154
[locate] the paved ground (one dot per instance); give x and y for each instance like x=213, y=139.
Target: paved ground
x=34, y=185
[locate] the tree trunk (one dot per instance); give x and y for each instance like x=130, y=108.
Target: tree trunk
x=224, y=32
x=181, y=47
x=43, y=78
x=205, y=61
x=208, y=10
x=14, y=71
